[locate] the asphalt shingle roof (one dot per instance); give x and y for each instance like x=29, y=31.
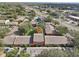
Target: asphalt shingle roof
x=38, y=37
x=8, y=40
x=16, y=40
x=55, y=40
x=49, y=28
x=22, y=40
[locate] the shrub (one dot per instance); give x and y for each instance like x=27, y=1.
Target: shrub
x=48, y=19
x=53, y=53
x=55, y=22
x=62, y=30
x=3, y=31
x=24, y=54
x=38, y=30
x=26, y=28
x=12, y=53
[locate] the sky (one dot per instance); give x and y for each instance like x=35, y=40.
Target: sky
x=59, y=1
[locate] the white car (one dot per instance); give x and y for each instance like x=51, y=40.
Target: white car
x=8, y=49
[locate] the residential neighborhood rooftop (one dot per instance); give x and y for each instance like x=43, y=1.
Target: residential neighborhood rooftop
x=12, y=23
x=9, y=40
x=16, y=40
x=38, y=37
x=2, y=21
x=75, y=17
x=56, y=40
x=20, y=40
x=49, y=28
x=20, y=18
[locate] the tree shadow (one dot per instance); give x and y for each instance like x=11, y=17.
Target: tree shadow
x=17, y=33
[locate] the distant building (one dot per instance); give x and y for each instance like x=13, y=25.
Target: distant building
x=2, y=21
x=74, y=18
x=13, y=23
x=20, y=18
x=26, y=20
